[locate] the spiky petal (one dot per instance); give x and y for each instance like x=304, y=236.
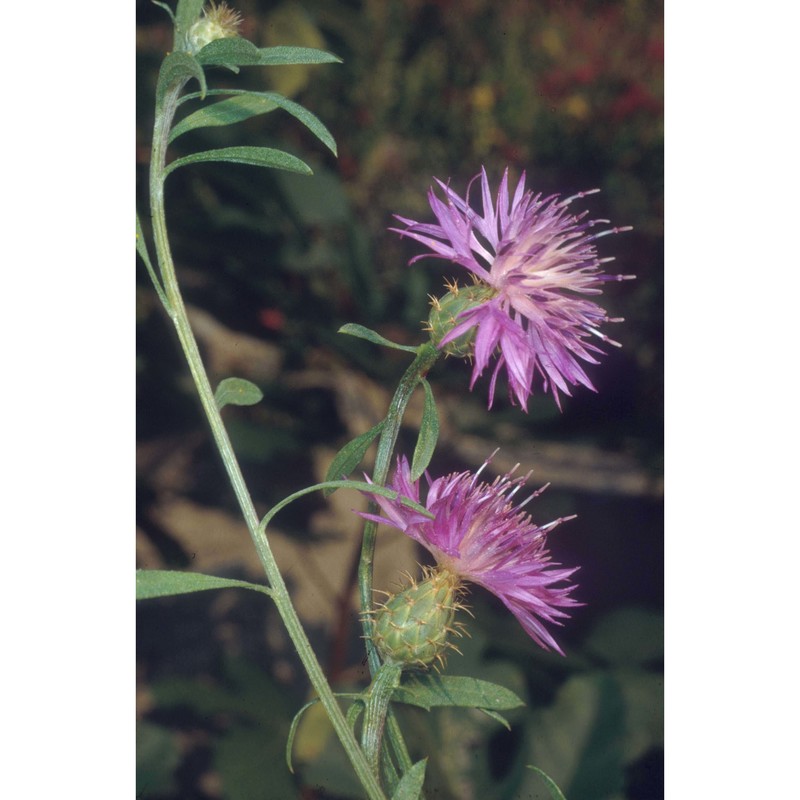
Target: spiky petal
x=478, y=534
x=541, y=261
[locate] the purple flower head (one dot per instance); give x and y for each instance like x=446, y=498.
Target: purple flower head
x=479, y=535
x=541, y=262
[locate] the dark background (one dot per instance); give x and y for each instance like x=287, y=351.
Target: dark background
x=273, y=264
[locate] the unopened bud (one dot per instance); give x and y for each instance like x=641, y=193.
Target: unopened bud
x=218, y=22
x=413, y=626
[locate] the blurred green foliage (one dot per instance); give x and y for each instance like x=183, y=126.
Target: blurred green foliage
x=571, y=92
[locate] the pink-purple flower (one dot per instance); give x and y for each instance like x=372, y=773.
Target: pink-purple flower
x=541, y=262
x=478, y=534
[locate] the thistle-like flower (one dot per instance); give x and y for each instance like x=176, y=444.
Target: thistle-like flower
x=478, y=534
x=533, y=262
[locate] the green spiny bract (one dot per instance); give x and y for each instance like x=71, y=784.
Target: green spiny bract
x=412, y=627
x=444, y=316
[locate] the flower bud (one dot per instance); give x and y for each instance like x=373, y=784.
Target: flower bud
x=445, y=312
x=412, y=627
x=218, y=22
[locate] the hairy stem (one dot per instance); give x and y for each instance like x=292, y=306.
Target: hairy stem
x=177, y=312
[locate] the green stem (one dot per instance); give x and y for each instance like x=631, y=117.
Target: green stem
x=427, y=354
x=177, y=312
x=386, y=680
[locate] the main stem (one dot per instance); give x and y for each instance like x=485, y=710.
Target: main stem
x=177, y=312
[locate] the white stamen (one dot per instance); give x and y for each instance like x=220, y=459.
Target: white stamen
x=581, y=194
x=534, y=495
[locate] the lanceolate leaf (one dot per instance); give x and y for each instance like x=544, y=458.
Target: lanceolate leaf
x=186, y=14
x=188, y=11
x=166, y=8
x=428, y=434
x=349, y=457
x=351, y=329
x=293, y=732
x=141, y=245
x=225, y=112
x=307, y=118
x=286, y=56
x=255, y=156
x=237, y=392
x=410, y=784
x=229, y=53
x=354, y=712
x=141, y=249
x=496, y=717
x=237, y=52
x=164, y=583
x=429, y=691
x=250, y=104
x=361, y=486
x=178, y=67
x=555, y=792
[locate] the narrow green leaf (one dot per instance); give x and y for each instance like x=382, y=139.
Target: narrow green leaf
x=164, y=583
x=496, y=717
x=311, y=121
x=354, y=712
x=351, y=329
x=141, y=245
x=287, y=56
x=349, y=457
x=166, y=8
x=141, y=249
x=410, y=784
x=428, y=434
x=242, y=53
x=244, y=105
x=225, y=112
x=237, y=392
x=230, y=53
x=178, y=67
x=293, y=732
x=555, y=792
x=254, y=156
x=361, y=486
x=429, y=691
x=187, y=13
